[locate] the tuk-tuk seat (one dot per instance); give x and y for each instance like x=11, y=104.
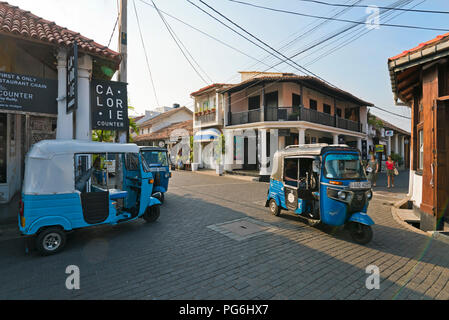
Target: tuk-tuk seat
x=115, y=194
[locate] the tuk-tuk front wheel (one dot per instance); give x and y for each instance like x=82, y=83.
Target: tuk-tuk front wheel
x=50, y=241
x=274, y=208
x=360, y=233
x=152, y=213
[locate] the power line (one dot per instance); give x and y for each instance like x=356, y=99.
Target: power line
x=389, y=112
x=304, y=70
x=115, y=26
x=309, y=31
x=358, y=33
x=206, y=34
x=146, y=55
x=380, y=7
x=175, y=38
x=336, y=19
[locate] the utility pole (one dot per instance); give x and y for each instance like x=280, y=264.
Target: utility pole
x=122, y=136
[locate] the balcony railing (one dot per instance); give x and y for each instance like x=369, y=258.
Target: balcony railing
x=210, y=117
x=295, y=113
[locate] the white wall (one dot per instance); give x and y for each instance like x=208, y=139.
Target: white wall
x=415, y=188
x=176, y=117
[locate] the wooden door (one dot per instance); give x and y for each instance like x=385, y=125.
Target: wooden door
x=441, y=162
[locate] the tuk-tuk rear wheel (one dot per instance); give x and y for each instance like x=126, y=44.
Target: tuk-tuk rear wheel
x=274, y=208
x=152, y=213
x=360, y=233
x=50, y=241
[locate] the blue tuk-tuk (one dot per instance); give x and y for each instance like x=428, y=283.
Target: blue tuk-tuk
x=67, y=187
x=158, y=162
x=325, y=184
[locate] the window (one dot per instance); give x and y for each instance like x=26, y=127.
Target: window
x=155, y=158
x=313, y=104
x=343, y=166
x=296, y=100
x=420, y=149
x=326, y=108
x=339, y=112
x=254, y=103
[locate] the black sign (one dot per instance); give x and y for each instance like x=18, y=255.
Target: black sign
x=29, y=94
x=364, y=150
x=109, y=105
x=284, y=132
x=72, y=79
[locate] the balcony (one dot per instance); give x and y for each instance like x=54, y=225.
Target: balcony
x=295, y=114
x=205, y=118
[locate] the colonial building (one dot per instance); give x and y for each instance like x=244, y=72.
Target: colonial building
x=420, y=79
x=385, y=139
x=269, y=111
x=33, y=77
x=207, y=123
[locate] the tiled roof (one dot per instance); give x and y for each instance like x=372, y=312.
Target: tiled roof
x=23, y=24
x=388, y=125
x=423, y=45
x=164, y=115
x=214, y=85
x=313, y=81
x=164, y=133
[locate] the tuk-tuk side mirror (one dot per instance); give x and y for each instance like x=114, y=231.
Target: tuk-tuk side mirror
x=316, y=166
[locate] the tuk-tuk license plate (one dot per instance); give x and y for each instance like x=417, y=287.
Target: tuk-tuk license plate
x=360, y=185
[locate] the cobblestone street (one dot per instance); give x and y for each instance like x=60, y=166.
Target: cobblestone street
x=187, y=255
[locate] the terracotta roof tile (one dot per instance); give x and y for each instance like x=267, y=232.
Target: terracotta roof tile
x=165, y=132
x=434, y=41
x=26, y=25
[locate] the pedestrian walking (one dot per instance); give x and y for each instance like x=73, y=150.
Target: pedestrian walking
x=391, y=171
x=372, y=169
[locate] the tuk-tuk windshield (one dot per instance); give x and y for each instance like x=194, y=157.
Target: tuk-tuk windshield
x=343, y=166
x=156, y=158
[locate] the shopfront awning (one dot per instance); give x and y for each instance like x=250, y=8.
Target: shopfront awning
x=207, y=135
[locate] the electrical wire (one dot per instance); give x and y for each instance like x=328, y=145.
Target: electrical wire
x=379, y=7
x=206, y=34
x=336, y=19
x=146, y=55
x=176, y=39
x=299, y=67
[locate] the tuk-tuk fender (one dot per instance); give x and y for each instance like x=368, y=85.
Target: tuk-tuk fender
x=48, y=222
x=153, y=201
x=275, y=197
x=361, y=217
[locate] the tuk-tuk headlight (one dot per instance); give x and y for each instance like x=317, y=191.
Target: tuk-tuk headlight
x=369, y=194
x=166, y=175
x=341, y=195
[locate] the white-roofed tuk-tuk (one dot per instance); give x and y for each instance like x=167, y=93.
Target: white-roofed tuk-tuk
x=67, y=186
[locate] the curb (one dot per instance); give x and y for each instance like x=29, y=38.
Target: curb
x=396, y=217
x=437, y=235
x=233, y=176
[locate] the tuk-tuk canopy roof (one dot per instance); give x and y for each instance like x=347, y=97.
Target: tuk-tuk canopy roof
x=316, y=149
x=47, y=149
x=50, y=164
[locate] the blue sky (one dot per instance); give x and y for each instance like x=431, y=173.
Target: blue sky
x=359, y=67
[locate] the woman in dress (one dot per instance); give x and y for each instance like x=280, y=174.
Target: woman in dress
x=372, y=168
x=390, y=171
